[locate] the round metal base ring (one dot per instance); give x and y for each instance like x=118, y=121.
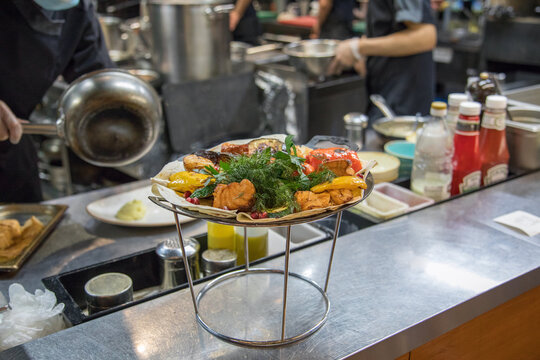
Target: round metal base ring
x=261, y=343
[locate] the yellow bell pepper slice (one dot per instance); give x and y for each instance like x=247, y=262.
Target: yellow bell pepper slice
x=187, y=181
x=341, y=182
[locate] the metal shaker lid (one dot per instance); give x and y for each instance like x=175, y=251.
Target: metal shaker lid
x=216, y=260
x=357, y=119
x=108, y=290
x=167, y=250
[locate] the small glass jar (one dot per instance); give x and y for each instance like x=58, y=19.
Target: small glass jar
x=257, y=243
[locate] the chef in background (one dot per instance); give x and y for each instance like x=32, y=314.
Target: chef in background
x=40, y=40
x=334, y=20
x=244, y=24
x=396, y=55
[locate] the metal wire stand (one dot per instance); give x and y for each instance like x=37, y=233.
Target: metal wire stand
x=247, y=271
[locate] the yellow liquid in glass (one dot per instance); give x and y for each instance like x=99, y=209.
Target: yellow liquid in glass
x=220, y=236
x=257, y=244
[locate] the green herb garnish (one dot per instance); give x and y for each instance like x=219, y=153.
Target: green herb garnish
x=276, y=176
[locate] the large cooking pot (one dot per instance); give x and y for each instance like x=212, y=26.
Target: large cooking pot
x=190, y=38
x=392, y=127
x=107, y=117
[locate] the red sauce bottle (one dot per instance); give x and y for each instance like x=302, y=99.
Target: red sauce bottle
x=466, y=161
x=494, y=154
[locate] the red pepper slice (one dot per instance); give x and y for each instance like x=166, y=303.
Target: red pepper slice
x=316, y=157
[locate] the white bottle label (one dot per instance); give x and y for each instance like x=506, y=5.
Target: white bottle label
x=470, y=182
x=435, y=186
x=437, y=191
x=495, y=174
x=494, y=121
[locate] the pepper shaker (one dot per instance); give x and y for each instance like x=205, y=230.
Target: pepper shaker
x=355, y=125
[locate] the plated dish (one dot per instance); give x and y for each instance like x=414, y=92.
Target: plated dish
x=33, y=222
x=264, y=180
x=107, y=208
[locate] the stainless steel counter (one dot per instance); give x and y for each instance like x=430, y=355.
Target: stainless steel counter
x=394, y=286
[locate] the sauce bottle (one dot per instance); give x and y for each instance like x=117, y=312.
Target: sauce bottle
x=432, y=165
x=482, y=88
x=466, y=161
x=257, y=243
x=454, y=100
x=220, y=236
x=494, y=154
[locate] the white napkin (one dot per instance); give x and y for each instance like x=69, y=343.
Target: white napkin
x=29, y=317
x=521, y=221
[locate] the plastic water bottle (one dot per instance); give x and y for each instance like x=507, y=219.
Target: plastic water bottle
x=432, y=165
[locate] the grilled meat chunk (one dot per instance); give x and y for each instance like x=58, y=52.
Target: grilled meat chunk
x=340, y=167
x=194, y=162
x=234, y=148
x=235, y=196
x=340, y=196
x=309, y=200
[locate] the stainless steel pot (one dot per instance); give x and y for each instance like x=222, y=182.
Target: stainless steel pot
x=523, y=136
x=190, y=38
x=120, y=43
x=107, y=117
x=392, y=127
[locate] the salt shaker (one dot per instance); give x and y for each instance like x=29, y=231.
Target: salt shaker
x=355, y=125
x=172, y=270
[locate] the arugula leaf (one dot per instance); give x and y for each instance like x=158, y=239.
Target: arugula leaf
x=290, y=144
x=211, y=170
x=204, y=192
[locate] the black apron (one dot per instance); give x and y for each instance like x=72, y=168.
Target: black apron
x=36, y=47
x=338, y=24
x=248, y=29
x=407, y=83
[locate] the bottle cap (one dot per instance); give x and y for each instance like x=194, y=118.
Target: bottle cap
x=470, y=108
x=484, y=75
x=455, y=99
x=438, y=108
x=496, y=102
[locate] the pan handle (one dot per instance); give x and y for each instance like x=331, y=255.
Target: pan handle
x=39, y=129
x=380, y=102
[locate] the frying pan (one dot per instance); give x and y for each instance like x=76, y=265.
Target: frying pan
x=107, y=117
x=392, y=127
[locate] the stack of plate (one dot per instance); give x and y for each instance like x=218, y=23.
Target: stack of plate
x=387, y=168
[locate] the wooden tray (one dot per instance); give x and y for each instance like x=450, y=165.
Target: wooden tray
x=49, y=215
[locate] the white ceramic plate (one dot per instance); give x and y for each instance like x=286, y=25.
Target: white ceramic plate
x=105, y=210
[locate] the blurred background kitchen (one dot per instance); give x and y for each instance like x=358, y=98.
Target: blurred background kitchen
x=214, y=88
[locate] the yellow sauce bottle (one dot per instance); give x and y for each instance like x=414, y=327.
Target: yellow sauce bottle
x=220, y=236
x=257, y=243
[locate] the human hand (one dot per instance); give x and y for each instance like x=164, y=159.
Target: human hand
x=315, y=31
x=344, y=58
x=360, y=67
x=436, y=4
x=234, y=18
x=10, y=126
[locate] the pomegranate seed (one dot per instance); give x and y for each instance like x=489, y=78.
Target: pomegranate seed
x=190, y=200
x=187, y=194
x=254, y=215
x=263, y=215
x=196, y=201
